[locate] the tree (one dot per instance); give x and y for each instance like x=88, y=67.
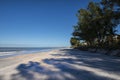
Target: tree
x=111, y=9
x=87, y=20
x=97, y=23
x=74, y=42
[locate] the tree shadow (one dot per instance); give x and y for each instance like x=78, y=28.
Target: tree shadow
x=1, y=77
x=24, y=70
x=28, y=71
x=107, y=63
x=66, y=67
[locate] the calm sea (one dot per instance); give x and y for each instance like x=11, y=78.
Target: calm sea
x=13, y=51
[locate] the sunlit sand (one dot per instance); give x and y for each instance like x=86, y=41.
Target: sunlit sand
x=63, y=64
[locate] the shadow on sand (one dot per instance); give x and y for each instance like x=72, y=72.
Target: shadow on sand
x=66, y=68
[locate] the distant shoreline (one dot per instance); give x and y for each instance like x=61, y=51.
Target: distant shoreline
x=15, y=51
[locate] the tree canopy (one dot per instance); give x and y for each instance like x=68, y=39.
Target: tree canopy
x=97, y=23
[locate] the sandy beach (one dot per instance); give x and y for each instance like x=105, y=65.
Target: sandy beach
x=60, y=64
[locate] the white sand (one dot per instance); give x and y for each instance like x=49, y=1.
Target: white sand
x=64, y=64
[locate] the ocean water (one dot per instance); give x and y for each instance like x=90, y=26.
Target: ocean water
x=14, y=51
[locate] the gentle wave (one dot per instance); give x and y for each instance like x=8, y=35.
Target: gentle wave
x=8, y=52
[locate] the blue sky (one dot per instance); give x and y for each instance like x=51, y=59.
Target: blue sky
x=38, y=23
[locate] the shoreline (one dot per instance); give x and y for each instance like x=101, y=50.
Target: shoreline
x=8, y=65
x=60, y=64
x=24, y=56
x=7, y=54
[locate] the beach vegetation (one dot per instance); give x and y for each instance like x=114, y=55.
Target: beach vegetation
x=97, y=25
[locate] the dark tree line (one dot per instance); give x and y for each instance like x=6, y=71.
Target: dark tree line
x=96, y=26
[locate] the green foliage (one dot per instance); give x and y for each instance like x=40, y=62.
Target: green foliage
x=74, y=42
x=97, y=23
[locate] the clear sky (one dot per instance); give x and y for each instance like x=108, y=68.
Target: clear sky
x=38, y=23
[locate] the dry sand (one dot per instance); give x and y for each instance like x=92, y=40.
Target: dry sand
x=62, y=64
